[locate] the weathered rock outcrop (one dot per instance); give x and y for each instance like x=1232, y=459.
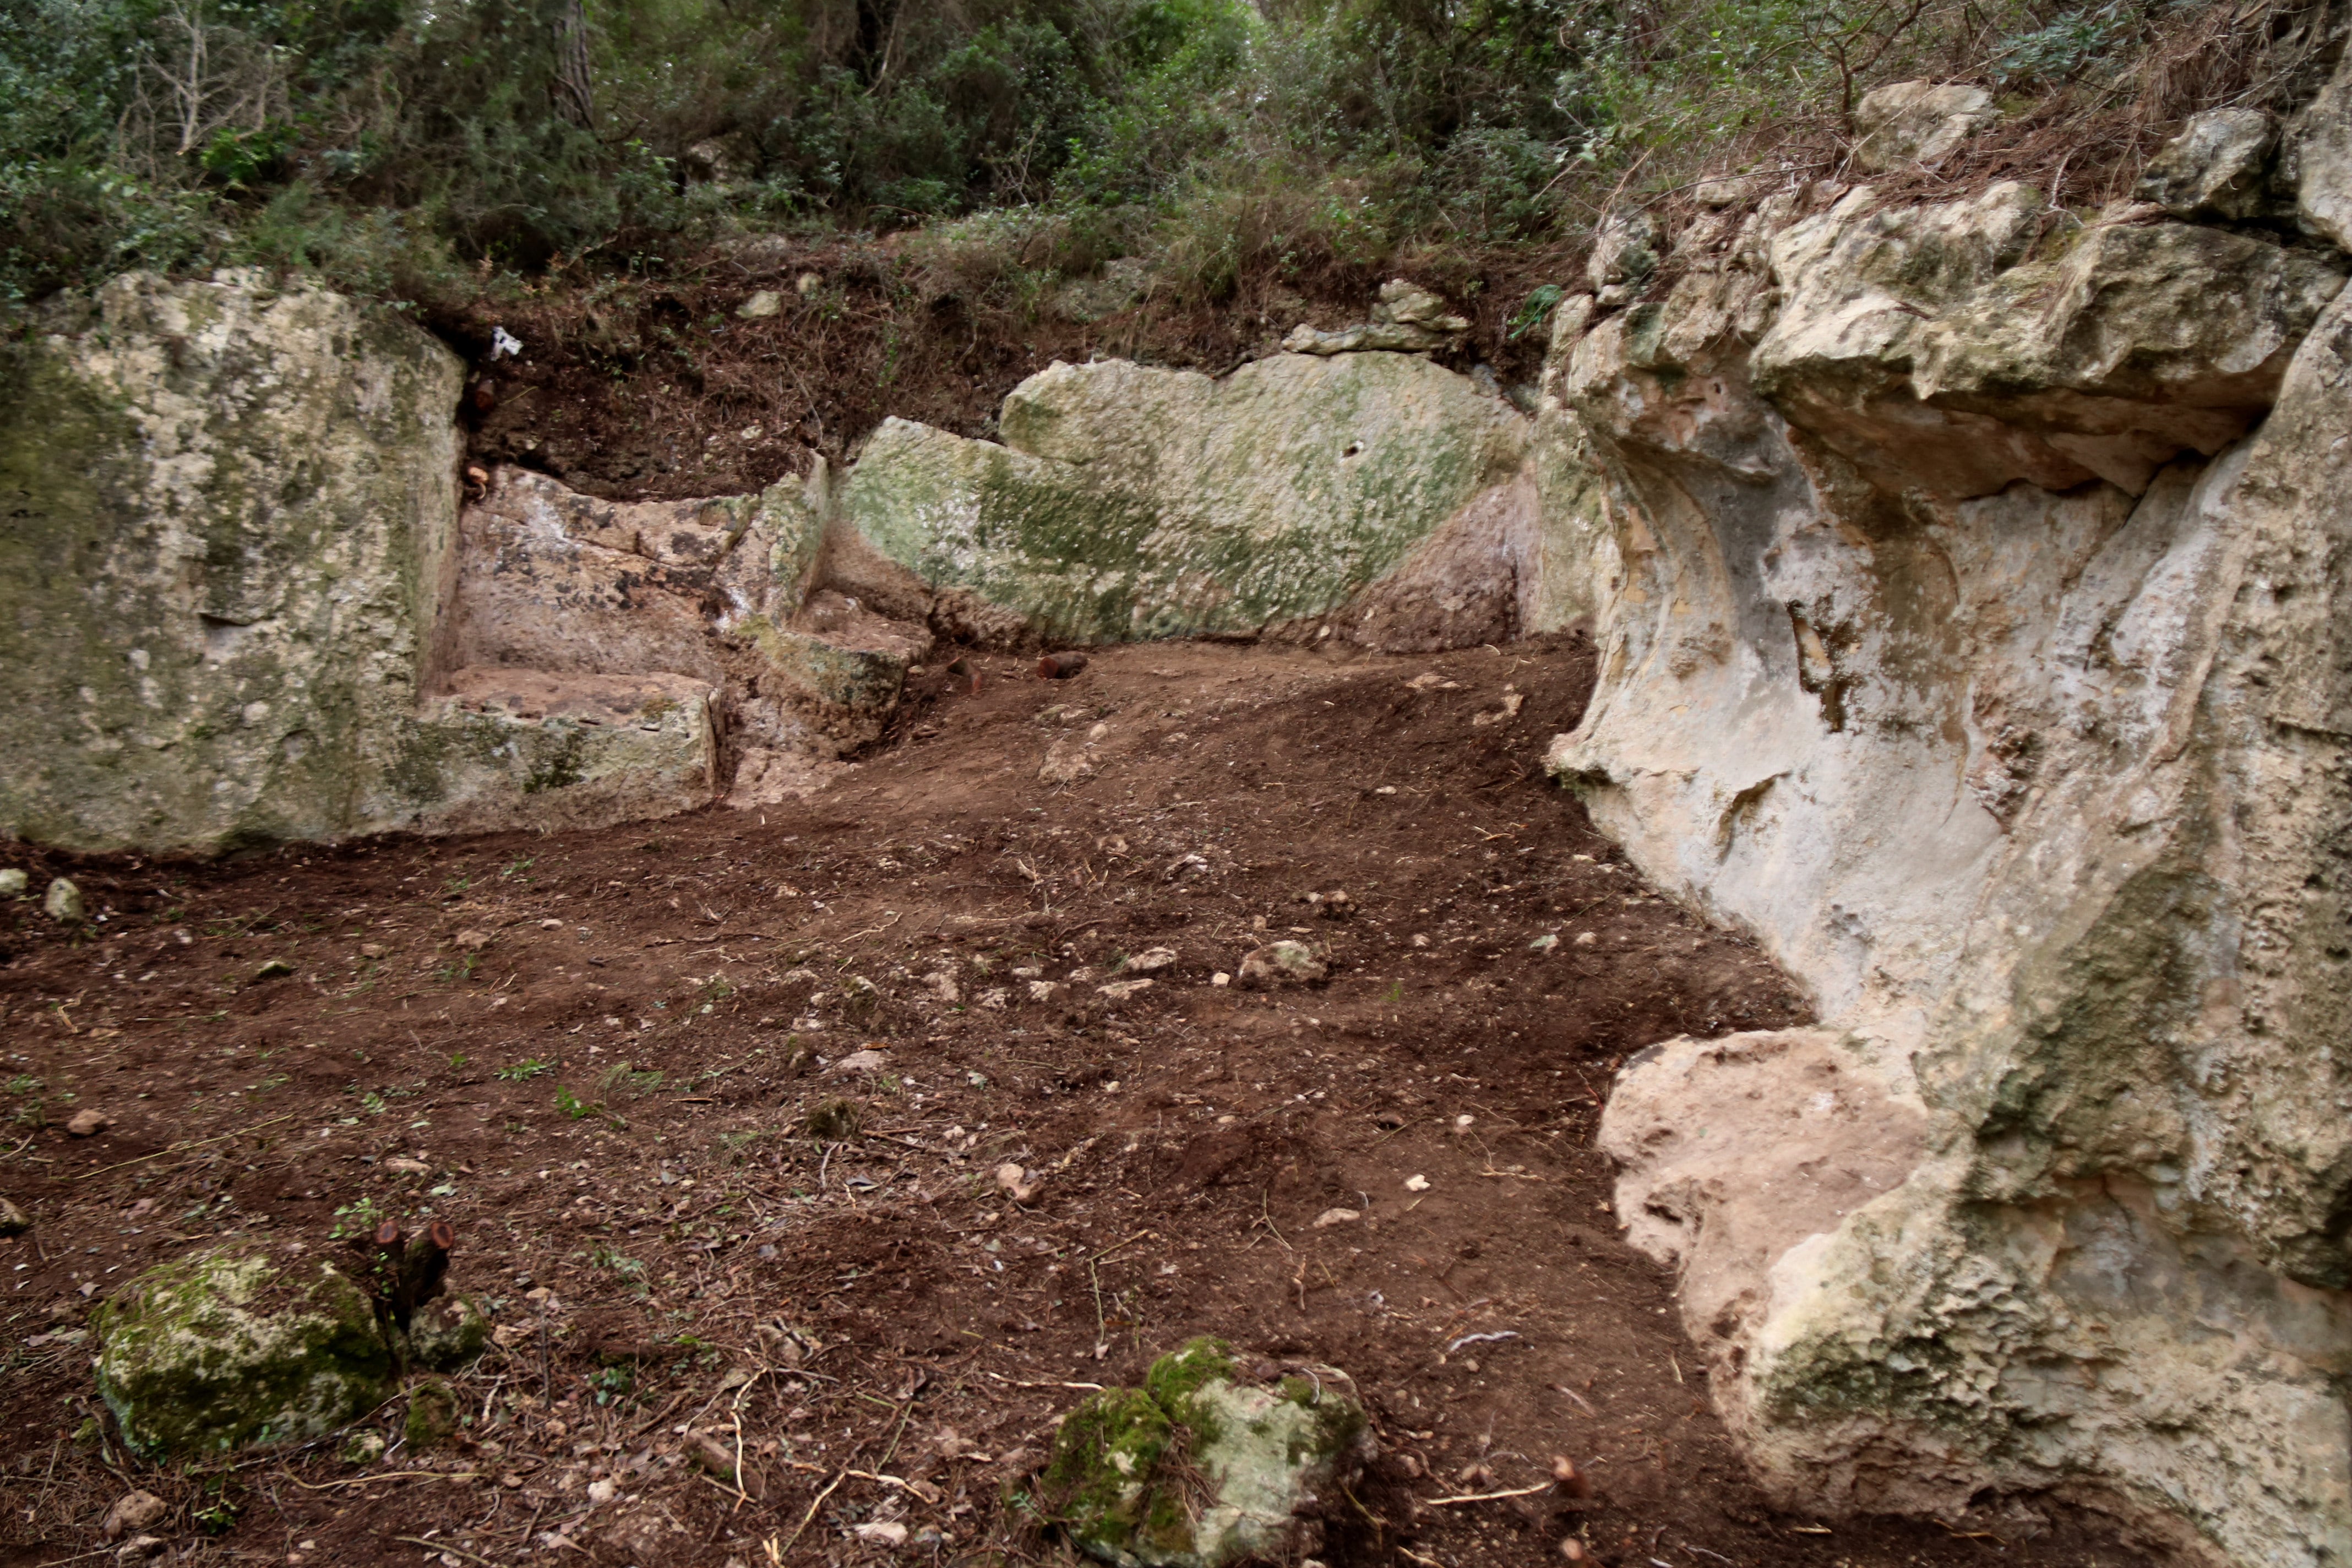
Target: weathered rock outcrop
x=1131, y=502
x=228, y=591
x=1972, y=600
x=244, y=593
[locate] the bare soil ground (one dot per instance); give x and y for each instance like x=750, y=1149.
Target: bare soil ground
x=611, y=1098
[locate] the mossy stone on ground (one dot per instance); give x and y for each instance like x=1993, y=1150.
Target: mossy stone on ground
x=432, y=1416
x=1198, y=1469
x=446, y=1333
x=227, y=1348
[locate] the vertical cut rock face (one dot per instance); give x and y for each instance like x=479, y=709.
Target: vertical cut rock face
x=229, y=594
x=241, y=601
x=1973, y=585
x=1129, y=502
x=231, y=516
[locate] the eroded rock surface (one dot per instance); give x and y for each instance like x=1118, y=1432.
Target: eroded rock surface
x=226, y=1348
x=1129, y=502
x=1968, y=584
x=1917, y=123
x=231, y=516
x=1201, y=1466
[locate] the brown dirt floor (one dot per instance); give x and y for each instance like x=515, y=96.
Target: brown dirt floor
x=609, y=1102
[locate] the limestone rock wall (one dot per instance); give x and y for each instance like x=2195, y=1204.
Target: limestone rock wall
x=232, y=520
x=1970, y=581
x=244, y=593
x=230, y=592
x=1128, y=501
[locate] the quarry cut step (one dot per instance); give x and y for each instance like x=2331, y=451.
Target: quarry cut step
x=579, y=751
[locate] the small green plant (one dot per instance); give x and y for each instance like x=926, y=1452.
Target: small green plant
x=275, y=1081
x=373, y=1103
x=605, y=1257
x=520, y=863
x=611, y=1384
x=572, y=1106
x=358, y=1218
x=456, y=1058
x=218, y=1516
x=1535, y=311
x=462, y=969
x=529, y=1068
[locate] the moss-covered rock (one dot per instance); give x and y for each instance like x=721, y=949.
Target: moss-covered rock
x=446, y=1333
x=229, y=1347
x=1131, y=502
x=432, y=1418
x=1199, y=1468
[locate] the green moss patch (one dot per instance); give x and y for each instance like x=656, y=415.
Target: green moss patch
x=227, y=1348
x=1196, y=1468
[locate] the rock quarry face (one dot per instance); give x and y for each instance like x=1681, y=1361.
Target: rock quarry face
x=1971, y=583
x=232, y=522
x=233, y=586
x=1131, y=502
x=248, y=591
x=1971, y=578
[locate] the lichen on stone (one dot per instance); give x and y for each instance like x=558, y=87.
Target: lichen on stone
x=1197, y=1467
x=227, y=1348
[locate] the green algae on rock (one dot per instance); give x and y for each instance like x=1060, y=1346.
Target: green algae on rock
x=1197, y=1467
x=231, y=512
x=227, y=1348
x=1131, y=502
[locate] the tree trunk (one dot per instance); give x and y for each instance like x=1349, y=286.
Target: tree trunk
x=576, y=87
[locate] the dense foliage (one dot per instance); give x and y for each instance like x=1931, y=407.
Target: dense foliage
x=394, y=142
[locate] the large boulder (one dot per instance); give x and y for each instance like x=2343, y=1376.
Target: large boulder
x=2315, y=160
x=1131, y=502
x=1200, y=1467
x=1907, y=122
x=1973, y=634
x=1929, y=347
x=238, y=600
x=232, y=509
x=2218, y=167
x=230, y=1347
